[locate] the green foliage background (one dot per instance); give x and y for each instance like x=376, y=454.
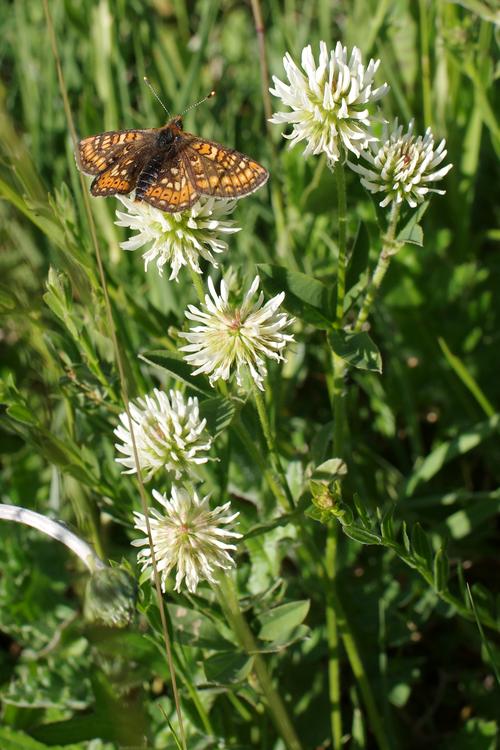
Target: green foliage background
x=423, y=436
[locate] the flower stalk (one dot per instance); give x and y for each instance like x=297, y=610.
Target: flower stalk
x=342, y=239
x=390, y=247
x=271, y=444
x=228, y=599
x=333, y=639
x=338, y=450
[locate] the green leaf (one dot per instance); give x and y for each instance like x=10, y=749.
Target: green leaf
x=175, y=366
x=387, y=526
x=363, y=536
x=282, y=620
x=406, y=538
x=15, y=740
x=467, y=379
x=21, y=413
x=484, y=640
x=11, y=739
x=219, y=413
x=465, y=521
x=195, y=629
x=476, y=734
x=412, y=231
x=421, y=546
x=226, y=668
x=441, y=570
x=286, y=639
x=305, y=297
x=357, y=349
x=331, y=469
x=358, y=269
x=449, y=450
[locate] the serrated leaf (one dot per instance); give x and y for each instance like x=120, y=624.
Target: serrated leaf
x=282, y=620
x=363, y=536
x=357, y=349
x=305, y=297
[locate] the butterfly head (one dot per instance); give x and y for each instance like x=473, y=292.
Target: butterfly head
x=175, y=123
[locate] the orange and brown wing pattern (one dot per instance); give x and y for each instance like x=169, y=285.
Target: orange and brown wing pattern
x=97, y=153
x=170, y=188
x=220, y=171
x=121, y=177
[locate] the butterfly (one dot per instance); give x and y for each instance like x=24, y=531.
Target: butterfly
x=166, y=167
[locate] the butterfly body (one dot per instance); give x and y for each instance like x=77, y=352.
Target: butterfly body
x=166, y=167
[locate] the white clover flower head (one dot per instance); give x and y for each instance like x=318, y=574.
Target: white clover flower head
x=241, y=336
x=402, y=165
x=187, y=535
x=329, y=102
x=169, y=434
x=179, y=239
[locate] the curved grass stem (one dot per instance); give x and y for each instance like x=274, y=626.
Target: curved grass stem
x=121, y=367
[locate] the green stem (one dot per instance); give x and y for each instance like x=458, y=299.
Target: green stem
x=390, y=247
x=338, y=449
x=228, y=600
x=342, y=259
x=357, y=667
x=333, y=640
x=271, y=444
x=198, y=285
x=425, y=63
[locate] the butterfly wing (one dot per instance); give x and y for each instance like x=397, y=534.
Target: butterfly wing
x=121, y=177
x=166, y=183
x=219, y=171
x=97, y=153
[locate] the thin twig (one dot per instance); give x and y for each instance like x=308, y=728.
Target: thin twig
x=120, y=366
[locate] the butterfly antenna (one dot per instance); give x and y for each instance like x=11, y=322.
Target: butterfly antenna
x=148, y=83
x=197, y=104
